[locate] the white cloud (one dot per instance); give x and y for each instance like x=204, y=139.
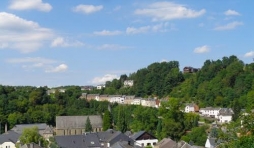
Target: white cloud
x=161, y=11
x=249, y=54
x=107, y=33
x=202, y=49
x=30, y=4
x=31, y=60
x=23, y=35
x=162, y=27
x=111, y=47
x=87, y=9
x=31, y=63
x=60, y=68
x=3, y=45
x=231, y=12
x=103, y=79
x=229, y=26
x=61, y=42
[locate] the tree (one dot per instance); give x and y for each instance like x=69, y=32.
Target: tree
x=88, y=126
x=107, y=121
x=121, y=121
x=30, y=135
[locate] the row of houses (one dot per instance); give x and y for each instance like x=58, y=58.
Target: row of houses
x=122, y=99
x=223, y=115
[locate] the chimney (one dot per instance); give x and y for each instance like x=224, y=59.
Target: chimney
x=5, y=129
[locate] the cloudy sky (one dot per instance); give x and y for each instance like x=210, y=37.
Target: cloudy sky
x=77, y=42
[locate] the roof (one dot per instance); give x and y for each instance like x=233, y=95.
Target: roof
x=123, y=144
x=31, y=145
x=72, y=122
x=78, y=141
x=209, y=108
x=212, y=141
x=119, y=136
x=137, y=135
x=48, y=130
x=20, y=127
x=10, y=136
x=93, y=139
x=226, y=112
x=166, y=143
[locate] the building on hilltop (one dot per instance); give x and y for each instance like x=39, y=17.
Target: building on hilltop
x=190, y=69
x=128, y=83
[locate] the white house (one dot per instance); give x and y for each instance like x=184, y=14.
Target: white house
x=9, y=139
x=144, y=139
x=100, y=86
x=128, y=83
x=119, y=100
x=136, y=101
x=191, y=108
x=148, y=102
x=210, y=112
x=225, y=115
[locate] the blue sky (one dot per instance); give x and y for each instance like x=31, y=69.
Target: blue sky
x=54, y=43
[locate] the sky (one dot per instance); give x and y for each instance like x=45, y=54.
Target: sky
x=57, y=43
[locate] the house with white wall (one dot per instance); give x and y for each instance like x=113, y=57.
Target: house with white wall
x=144, y=139
x=136, y=101
x=225, y=115
x=119, y=100
x=9, y=139
x=191, y=108
x=209, y=112
x=128, y=83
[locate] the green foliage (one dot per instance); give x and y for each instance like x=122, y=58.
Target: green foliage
x=197, y=135
x=30, y=135
x=121, y=120
x=52, y=143
x=107, y=121
x=88, y=126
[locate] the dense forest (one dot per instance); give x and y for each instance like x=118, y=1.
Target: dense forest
x=226, y=82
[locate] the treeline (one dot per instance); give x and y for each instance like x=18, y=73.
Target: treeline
x=24, y=105
x=226, y=82
x=157, y=80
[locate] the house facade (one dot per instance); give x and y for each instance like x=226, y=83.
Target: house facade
x=144, y=139
x=119, y=100
x=225, y=115
x=191, y=108
x=128, y=83
x=209, y=112
x=9, y=139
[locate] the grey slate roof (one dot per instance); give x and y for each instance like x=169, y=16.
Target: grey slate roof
x=20, y=127
x=93, y=139
x=31, y=145
x=119, y=136
x=79, y=141
x=166, y=143
x=136, y=135
x=226, y=111
x=123, y=144
x=72, y=122
x=10, y=136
